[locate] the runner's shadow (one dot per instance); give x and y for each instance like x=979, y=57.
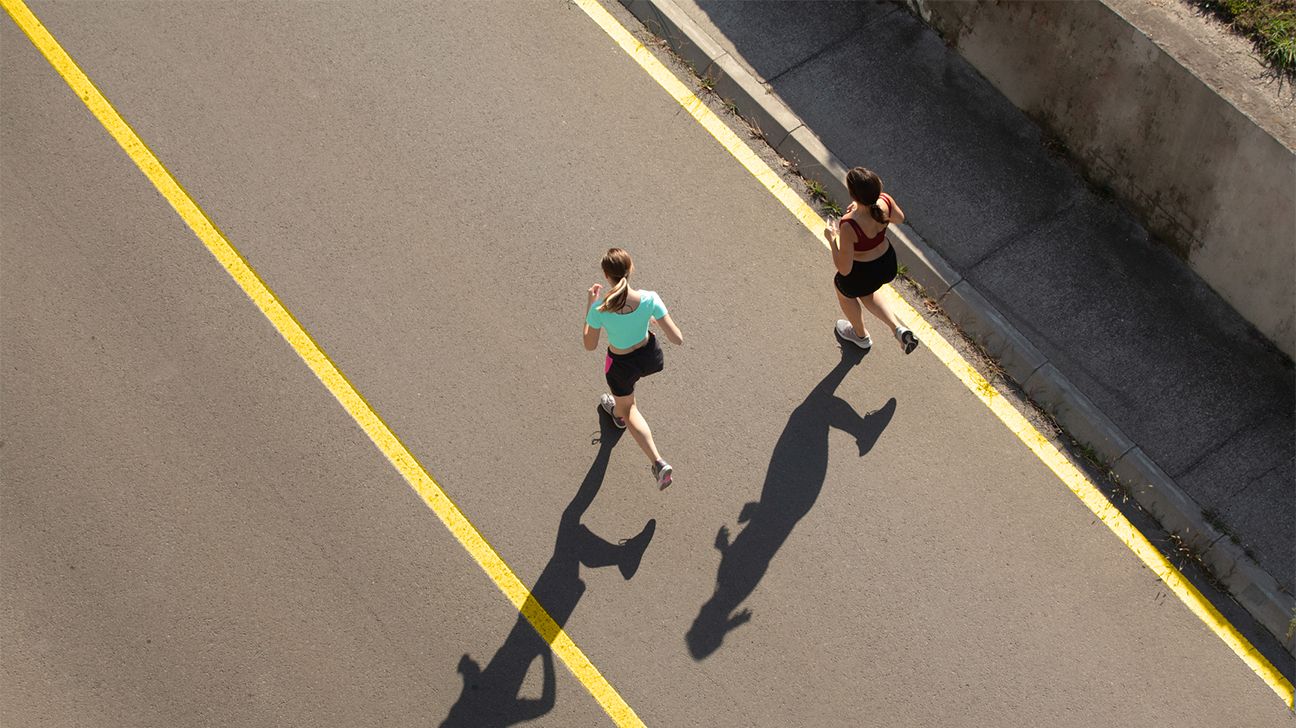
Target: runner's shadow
x=795, y=476
x=490, y=695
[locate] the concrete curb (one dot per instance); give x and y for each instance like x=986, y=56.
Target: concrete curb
x=1253, y=587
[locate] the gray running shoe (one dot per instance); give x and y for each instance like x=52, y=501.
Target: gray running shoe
x=608, y=404
x=846, y=332
x=661, y=470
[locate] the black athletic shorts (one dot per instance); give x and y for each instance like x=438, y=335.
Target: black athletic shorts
x=867, y=278
x=623, y=370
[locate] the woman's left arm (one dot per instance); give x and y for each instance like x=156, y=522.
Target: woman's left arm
x=896, y=214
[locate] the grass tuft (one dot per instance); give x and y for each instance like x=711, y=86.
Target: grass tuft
x=817, y=191
x=1270, y=24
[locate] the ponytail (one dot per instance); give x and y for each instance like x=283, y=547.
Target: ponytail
x=616, y=266
x=878, y=214
x=616, y=298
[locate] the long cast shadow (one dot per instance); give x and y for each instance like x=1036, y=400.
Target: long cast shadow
x=490, y=696
x=795, y=476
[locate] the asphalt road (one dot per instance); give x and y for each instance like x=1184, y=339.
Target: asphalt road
x=195, y=533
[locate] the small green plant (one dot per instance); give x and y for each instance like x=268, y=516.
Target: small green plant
x=1270, y=24
x=707, y=83
x=902, y=269
x=820, y=195
x=1291, y=626
x=730, y=106
x=817, y=191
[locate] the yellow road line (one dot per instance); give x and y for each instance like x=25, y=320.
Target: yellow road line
x=336, y=382
x=978, y=385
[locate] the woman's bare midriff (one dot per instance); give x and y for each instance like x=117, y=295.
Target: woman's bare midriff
x=864, y=256
x=636, y=347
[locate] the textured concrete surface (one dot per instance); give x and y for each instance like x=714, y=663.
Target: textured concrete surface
x=1135, y=98
x=429, y=191
x=1162, y=355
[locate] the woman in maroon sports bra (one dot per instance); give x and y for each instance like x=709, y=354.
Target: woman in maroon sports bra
x=865, y=259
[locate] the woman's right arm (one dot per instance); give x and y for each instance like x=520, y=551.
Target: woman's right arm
x=590, y=336
x=843, y=250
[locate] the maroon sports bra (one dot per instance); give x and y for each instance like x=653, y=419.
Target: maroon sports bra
x=862, y=241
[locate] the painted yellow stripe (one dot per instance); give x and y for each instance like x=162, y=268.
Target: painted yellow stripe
x=351, y=400
x=978, y=385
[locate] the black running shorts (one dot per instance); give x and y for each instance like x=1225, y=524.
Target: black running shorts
x=623, y=370
x=867, y=278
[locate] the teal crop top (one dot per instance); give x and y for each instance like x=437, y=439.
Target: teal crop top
x=624, y=330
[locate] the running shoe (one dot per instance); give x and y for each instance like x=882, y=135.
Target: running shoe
x=907, y=339
x=607, y=403
x=661, y=470
x=846, y=332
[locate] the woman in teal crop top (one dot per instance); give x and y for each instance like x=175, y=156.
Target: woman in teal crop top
x=633, y=351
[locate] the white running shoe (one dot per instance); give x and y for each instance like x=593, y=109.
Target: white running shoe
x=846, y=332
x=608, y=404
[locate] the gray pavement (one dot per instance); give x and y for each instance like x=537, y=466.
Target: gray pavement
x=1130, y=325
x=194, y=534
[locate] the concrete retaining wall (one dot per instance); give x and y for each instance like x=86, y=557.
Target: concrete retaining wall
x=1205, y=178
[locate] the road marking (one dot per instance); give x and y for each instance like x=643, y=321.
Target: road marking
x=1074, y=479
x=332, y=377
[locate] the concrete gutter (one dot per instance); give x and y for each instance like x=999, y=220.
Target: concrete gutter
x=1253, y=587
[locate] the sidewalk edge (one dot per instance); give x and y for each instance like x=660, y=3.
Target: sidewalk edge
x=1253, y=587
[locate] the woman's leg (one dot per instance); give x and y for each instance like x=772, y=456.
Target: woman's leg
x=638, y=426
x=907, y=340
x=851, y=308
x=879, y=309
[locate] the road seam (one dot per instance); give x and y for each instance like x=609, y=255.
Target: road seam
x=1252, y=586
x=328, y=373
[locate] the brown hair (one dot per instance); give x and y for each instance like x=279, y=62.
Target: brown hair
x=617, y=267
x=865, y=187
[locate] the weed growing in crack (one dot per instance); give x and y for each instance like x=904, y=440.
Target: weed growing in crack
x=816, y=190
x=1095, y=459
